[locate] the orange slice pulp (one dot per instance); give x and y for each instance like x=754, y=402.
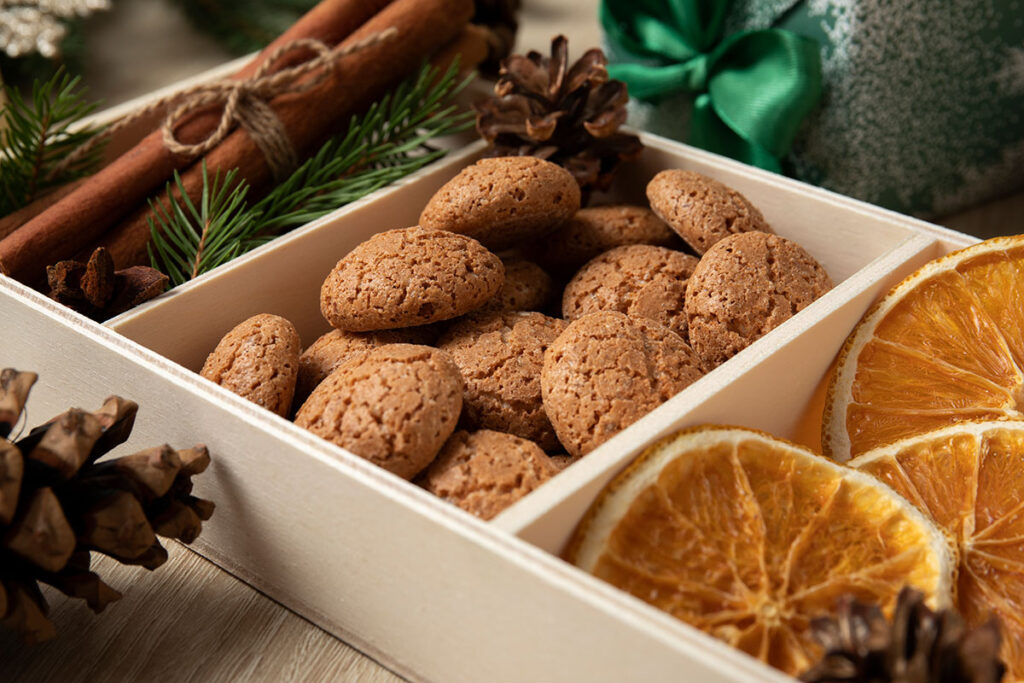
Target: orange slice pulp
x=946, y=345
x=748, y=538
x=969, y=478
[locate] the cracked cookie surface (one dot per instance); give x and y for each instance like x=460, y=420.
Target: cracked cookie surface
x=394, y=405
x=700, y=209
x=408, y=277
x=258, y=360
x=500, y=356
x=595, y=230
x=330, y=350
x=606, y=371
x=744, y=287
x=504, y=201
x=526, y=288
x=486, y=471
x=621, y=280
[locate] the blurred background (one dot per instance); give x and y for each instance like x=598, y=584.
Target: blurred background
x=126, y=48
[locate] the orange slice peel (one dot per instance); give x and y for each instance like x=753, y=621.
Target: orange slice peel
x=946, y=345
x=748, y=538
x=968, y=478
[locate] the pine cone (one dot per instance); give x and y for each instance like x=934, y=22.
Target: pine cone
x=567, y=115
x=919, y=646
x=499, y=18
x=57, y=504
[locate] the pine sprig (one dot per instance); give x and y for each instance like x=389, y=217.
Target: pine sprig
x=37, y=134
x=194, y=238
x=388, y=142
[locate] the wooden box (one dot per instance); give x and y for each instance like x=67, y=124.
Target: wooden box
x=428, y=590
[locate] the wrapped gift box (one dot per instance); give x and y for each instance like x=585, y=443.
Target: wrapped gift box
x=922, y=108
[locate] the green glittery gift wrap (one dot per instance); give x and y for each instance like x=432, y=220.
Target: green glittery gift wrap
x=922, y=104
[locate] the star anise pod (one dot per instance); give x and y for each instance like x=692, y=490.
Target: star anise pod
x=569, y=115
x=918, y=646
x=96, y=290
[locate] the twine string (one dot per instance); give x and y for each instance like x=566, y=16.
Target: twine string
x=245, y=103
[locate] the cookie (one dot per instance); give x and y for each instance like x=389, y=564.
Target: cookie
x=408, y=277
x=258, y=360
x=484, y=472
x=394, y=405
x=500, y=356
x=595, y=230
x=662, y=300
x=333, y=348
x=526, y=288
x=608, y=370
x=701, y=209
x=562, y=460
x=615, y=280
x=504, y=201
x=745, y=286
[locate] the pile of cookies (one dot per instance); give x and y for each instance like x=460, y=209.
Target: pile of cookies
x=452, y=361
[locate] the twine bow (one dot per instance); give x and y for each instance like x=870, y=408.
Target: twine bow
x=752, y=89
x=245, y=103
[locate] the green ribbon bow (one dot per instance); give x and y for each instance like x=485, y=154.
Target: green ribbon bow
x=753, y=89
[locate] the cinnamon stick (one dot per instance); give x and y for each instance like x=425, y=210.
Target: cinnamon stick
x=13, y=221
x=470, y=47
x=309, y=117
x=85, y=214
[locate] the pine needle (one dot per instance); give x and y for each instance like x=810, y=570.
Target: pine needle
x=37, y=134
x=195, y=239
x=383, y=145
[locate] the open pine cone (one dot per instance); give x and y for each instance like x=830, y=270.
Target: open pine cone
x=57, y=504
x=919, y=646
x=499, y=18
x=542, y=107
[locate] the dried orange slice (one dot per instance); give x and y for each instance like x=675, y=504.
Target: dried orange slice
x=945, y=345
x=748, y=538
x=969, y=478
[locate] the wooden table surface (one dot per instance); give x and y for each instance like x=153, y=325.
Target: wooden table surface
x=187, y=621
x=190, y=620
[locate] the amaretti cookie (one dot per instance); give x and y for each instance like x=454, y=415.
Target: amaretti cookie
x=394, y=405
x=330, y=350
x=258, y=360
x=701, y=209
x=617, y=279
x=484, y=472
x=745, y=286
x=595, y=230
x=562, y=460
x=608, y=370
x=500, y=356
x=408, y=277
x=504, y=201
x=526, y=288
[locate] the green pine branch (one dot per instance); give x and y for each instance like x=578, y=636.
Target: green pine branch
x=387, y=143
x=37, y=133
x=197, y=238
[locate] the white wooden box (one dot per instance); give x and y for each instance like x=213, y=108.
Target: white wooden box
x=428, y=590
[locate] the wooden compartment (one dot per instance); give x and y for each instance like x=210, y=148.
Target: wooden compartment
x=429, y=590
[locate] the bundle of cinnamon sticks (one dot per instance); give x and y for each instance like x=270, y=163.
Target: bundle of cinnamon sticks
x=111, y=208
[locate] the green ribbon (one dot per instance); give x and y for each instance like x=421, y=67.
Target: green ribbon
x=752, y=89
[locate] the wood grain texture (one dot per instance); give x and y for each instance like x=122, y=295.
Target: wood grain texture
x=187, y=621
